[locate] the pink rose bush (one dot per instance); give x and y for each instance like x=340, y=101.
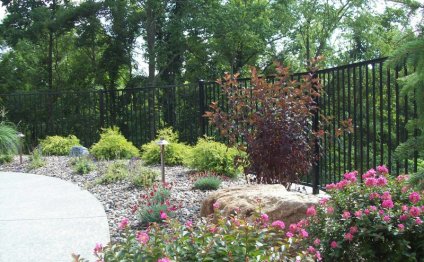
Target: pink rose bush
x=217, y=238
x=369, y=220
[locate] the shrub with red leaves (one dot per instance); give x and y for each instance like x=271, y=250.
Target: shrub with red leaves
x=273, y=121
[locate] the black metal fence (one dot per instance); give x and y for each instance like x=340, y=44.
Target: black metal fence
x=139, y=113
x=368, y=93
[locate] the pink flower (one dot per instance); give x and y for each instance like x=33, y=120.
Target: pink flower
x=402, y=178
x=163, y=215
x=318, y=256
x=330, y=210
x=404, y=189
x=418, y=221
x=387, y=203
x=414, y=197
x=381, y=212
x=386, y=218
x=189, y=224
x=333, y=244
x=311, y=250
x=311, y=211
x=370, y=182
x=142, y=237
x=386, y=196
x=342, y=184
x=403, y=217
x=164, y=259
x=358, y=213
x=348, y=237
x=382, y=169
x=330, y=186
x=98, y=248
x=213, y=229
x=351, y=176
x=382, y=181
x=401, y=227
x=374, y=195
x=278, y=223
x=404, y=208
x=367, y=211
x=414, y=211
x=123, y=224
x=369, y=173
x=373, y=208
x=324, y=200
x=216, y=205
x=346, y=214
x=317, y=242
x=264, y=218
x=353, y=230
x=304, y=233
x=289, y=234
x=293, y=228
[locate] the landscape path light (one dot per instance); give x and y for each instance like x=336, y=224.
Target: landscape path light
x=21, y=145
x=162, y=143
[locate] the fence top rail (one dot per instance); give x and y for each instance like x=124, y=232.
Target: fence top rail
x=372, y=61
x=78, y=92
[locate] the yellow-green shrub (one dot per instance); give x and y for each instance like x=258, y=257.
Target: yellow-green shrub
x=113, y=145
x=208, y=155
x=175, y=152
x=58, y=145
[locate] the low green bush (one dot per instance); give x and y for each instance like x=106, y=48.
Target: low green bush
x=207, y=183
x=155, y=206
x=36, y=159
x=141, y=176
x=116, y=171
x=6, y=158
x=133, y=172
x=175, y=152
x=82, y=165
x=208, y=155
x=113, y=145
x=58, y=145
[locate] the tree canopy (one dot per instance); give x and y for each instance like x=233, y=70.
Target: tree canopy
x=105, y=44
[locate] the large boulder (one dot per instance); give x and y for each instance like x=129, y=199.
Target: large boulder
x=277, y=202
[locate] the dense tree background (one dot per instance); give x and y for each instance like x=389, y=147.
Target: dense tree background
x=91, y=45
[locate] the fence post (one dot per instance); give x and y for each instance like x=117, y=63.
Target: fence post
x=202, y=107
x=315, y=126
x=101, y=109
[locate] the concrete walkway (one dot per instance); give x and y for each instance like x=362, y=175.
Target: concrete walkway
x=47, y=219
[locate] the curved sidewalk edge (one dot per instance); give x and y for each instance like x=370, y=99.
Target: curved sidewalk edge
x=47, y=219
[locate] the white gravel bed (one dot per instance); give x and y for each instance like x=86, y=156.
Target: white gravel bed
x=119, y=198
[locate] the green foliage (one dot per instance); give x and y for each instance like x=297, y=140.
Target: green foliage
x=36, y=159
x=6, y=159
x=133, y=172
x=367, y=221
x=9, y=140
x=116, y=171
x=142, y=176
x=207, y=183
x=416, y=180
x=215, y=157
x=154, y=203
x=58, y=145
x=113, y=145
x=228, y=239
x=175, y=152
x=83, y=165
